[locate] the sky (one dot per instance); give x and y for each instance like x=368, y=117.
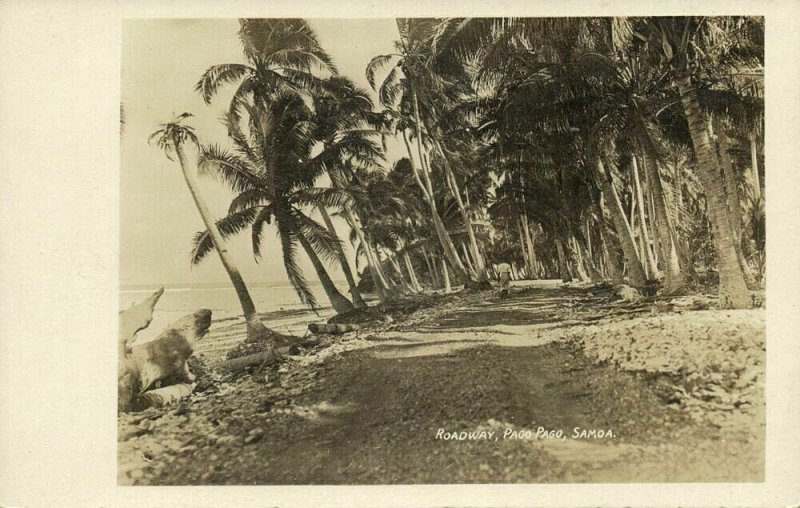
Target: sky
x=162, y=59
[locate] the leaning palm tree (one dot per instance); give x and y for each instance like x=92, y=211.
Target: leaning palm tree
x=274, y=184
x=285, y=66
x=345, y=130
x=171, y=138
x=404, y=91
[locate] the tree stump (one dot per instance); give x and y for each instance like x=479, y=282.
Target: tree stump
x=159, y=361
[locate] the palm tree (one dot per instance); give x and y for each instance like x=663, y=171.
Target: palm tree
x=390, y=206
x=521, y=53
x=401, y=91
x=274, y=184
x=171, y=138
x=286, y=65
x=685, y=46
x=283, y=57
x=346, y=131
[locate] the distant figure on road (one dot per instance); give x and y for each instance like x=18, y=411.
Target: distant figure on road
x=504, y=272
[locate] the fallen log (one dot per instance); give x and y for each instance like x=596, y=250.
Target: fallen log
x=163, y=396
x=241, y=363
x=164, y=358
x=335, y=329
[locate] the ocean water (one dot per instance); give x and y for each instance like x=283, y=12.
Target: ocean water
x=278, y=305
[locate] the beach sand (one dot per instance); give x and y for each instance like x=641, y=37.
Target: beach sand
x=657, y=391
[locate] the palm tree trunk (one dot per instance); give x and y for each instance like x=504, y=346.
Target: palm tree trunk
x=411, y=273
x=351, y=217
x=646, y=266
x=636, y=277
x=563, y=268
x=479, y=267
x=674, y=279
x=399, y=271
x=677, y=173
x=523, y=245
x=432, y=271
x=632, y=225
x=436, y=274
x=447, y=244
x=651, y=212
x=338, y=301
x=468, y=260
x=527, y=246
x=646, y=248
x=731, y=186
x=351, y=283
x=613, y=264
x=594, y=269
x=447, y=288
x=416, y=167
x=754, y=166
x=372, y=251
x=526, y=236
x=531, y=250
x=580, y=267
x=421, y=175
x=255, y=328
x=732, y=287
x=686, y=262
x=589, y=249
x=378, y=279
x=733, y=201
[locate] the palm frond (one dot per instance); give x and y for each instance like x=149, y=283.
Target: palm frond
x=228, y=168
x=325, y=244
x=299, y=60
x=228, y=226
x=391, y=89
x=327, y=197
x=248, y=199
x=289, y=252
x=263, y=217
x=218, y=75
x=376, y=65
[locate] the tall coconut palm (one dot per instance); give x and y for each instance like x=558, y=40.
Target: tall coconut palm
x=275, y=183
x=171, y=137
x=392, y=210
x=584, y=55
x=345, y=130
x=284, y=56
x=406, y=86
x=684, y=46
x=286, y=66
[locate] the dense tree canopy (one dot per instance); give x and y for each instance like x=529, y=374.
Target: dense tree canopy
x=620, y=149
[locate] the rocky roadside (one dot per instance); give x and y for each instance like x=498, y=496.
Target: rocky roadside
x=659, y=369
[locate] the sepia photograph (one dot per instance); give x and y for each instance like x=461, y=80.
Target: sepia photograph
x=397, y=251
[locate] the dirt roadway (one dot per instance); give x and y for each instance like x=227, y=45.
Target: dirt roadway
x=484, y=370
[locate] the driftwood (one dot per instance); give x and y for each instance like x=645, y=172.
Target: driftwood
x=131, y=321
x=161, y=361
x=136, y=318
x=241, y=363
x=164, y=358
x=331, y=328
x=163, y=396
x=127, y=384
